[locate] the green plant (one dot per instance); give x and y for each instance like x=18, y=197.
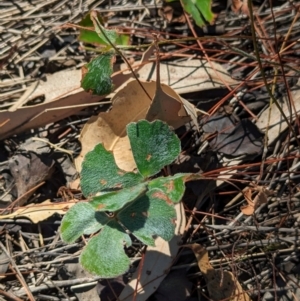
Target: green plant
x=108, y=42
x=199, y=9
x=123, y=203
x=97, y=73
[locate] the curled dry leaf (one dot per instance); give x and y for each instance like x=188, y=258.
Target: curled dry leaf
x=39, y=212
x=253, y=204
x=221, y=285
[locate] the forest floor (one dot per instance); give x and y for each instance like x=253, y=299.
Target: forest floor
x=245, y=213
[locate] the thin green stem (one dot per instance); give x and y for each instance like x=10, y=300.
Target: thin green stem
x=119, y=52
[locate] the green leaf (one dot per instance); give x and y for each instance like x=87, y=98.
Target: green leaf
x=123, y=39
x=104, y=254
x=89, y=35
x=100, y=172
x=149, y=216
x=113, y=201
x=97, y=75
x=153, y=145
x=173, y=186
x=200, y=10
x=81, y=219
x=108, y=36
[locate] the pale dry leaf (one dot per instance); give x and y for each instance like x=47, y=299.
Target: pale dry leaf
x=129, y=104
x=158, y=260
x=75, y=185
x=188, y=76
x=64, y=97
x=271, y=120
x=39, y=212
x=262, y=196
x=31, y=117
x=221, y=284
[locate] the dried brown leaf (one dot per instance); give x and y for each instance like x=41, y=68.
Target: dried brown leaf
x=259, y=199
x=166, y=105
x=68, y=104
x=64, y=97
x=221, y=284
x=189, y=76
x=130, y=104
x=28, y=171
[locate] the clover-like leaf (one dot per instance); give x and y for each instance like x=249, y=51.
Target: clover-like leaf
x=96, y=76
x=173, y=186
x=150, y=216
x=104, y=254
x=90, y=32
x=200, y=10
x=100, y=172
x=115, y=200
x=109, y=36
x=81, y=219
x=87, y=31
x=153, y=145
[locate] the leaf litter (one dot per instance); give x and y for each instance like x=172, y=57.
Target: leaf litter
x=220, y=284
x=271, y=215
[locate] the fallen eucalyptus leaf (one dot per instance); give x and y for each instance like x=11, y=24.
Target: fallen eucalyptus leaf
x=188, y=76
x=39, y=212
